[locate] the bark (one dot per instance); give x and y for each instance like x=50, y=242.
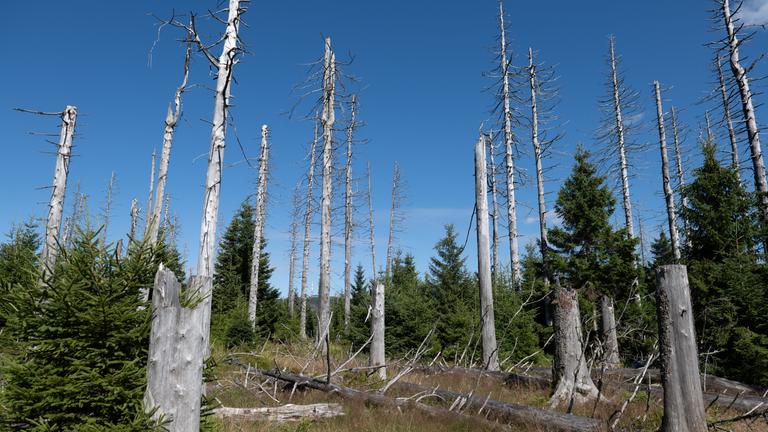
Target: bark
x=683, y=402
x=735, y=164
x=171, y=119
x=748, y=109
x=134, y=220
x=348, y=215
x=669, y=197
x=225, y=65
x=570, y=373
x=292, y=257
x=307, y=232
x=620, y=143
x=258, y=226
x=56, y=205
x=378, y=356
x=371, y=225
x=608, y=332
x=495, y=206
x=509, y=160
x=680, y=172
x=175, y=366
x=487, y=320
x=148, y=214
x=107, y=208
x=283, y=413
x=393, y=210
x=327, y=119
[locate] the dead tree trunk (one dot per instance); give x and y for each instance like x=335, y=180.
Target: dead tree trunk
x=348, y=215
x=107, y=208
x=748, y=109
x=620, y=143
x=537, y=154
x=393, y=210
x=608, y=332
x=509, y=159
x=205, y=260
x=570, y=373
x=378, y=356
x=668, y=195
x=258, y=227
x=171, y=118
x=307, y=232
x=727, y=118
x=371, y=225
x=148, y=212
x=495, y=206
x=134, y=220
x=487, y=320
x=56, y=204
x=292, y=257
x=683, y=401
x=175, y=367
x=680, y=172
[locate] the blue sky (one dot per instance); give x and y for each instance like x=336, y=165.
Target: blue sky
x=421, y=67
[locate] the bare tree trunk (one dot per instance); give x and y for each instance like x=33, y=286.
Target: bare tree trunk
x=640, y=235
x=258, y=228
x=148, y=213
x=623, y=166
x=494, y=202
x=668, y=195
x=727, y=117
x=56, y=204
x=307, y=228
x=134, y=220
x=608, y=332
x=510, y=164
x=487, y=320
x=328, y=118
x=570, y=373
x=371, y=225
x=348, y=215
x=292, y=258
x=72, y=221
x=205, y=260
x=107, y=209
x=753, y=133
x=683, y=400
x=392, y=217
x=680, y=172
x=171, y=118
x=537, y=154
x=378, y=357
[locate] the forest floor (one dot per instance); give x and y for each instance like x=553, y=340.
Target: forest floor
x=231, y=388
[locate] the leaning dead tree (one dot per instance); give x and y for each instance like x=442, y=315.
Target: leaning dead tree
x=669, y=197
x=509, y=138
x=487, y=320
x=56, y=204
x=683, y=400
x=307, y=232
x=292, y=254
x=395, y=218
x=258, y=226
x=171, y=119
x=348, y=212
x=726, y=103
x=732, y=42
x=327, y=119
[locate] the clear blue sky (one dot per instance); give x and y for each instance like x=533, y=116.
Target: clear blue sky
x=421, y=64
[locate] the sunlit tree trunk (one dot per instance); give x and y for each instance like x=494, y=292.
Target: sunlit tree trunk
x=258, y=226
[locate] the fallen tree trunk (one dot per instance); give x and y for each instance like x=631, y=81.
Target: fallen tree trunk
x=283, y=413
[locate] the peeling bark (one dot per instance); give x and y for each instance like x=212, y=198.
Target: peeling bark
x=258, y=226
x=378, y=355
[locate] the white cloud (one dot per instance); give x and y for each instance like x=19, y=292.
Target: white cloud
x=754, y=12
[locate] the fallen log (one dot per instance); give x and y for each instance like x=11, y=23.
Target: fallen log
x=284, y=413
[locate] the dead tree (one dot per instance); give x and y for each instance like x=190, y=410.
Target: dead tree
x=151, y=191
x=107, y=208
x=683, y=400
x=348, y=213
x=134, y=220
x=679, y=169
x=378, y=350
x=727, y=117
x=668, y=195
x=56, y=205
x=395, y=218
x=371, y=225
x=292, y=254
x=72, y=220
x=487, y=320
x=495, y=205
x=509, y=139
x=258, y=226
x=171, y=119
x=327, y=119
x=307, y=232
x=732, y=28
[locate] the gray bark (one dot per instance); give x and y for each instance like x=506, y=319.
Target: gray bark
x=570, y=373
x=148, y=214
x=509, y=159
x=727, y=118
x=348, y=215
x=327, y=119
x=748, y=109
x=258, y=226
x=134, y=220
x=56, y=205
x=683, y=402
x=487, y=320
x=292, y=257
x=171, y=118
x=175, y=366
x=283, y=413
x=371, y=225
x=392, y=220
x=620, y=143
x=537, y=154
x=608, y=332
x=495, y=206
x=669, y=197
x=107, y=208
x=679, y=169
x=378, y=356
x=307, y=232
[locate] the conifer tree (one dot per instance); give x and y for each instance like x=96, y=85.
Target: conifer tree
x=409, y=310
x=18, y=261
x=360, y=300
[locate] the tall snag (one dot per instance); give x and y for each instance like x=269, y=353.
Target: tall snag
x=494, y=205
x=292, y=254
x=107, y=208
x=668, y=196
x=258, y=226
x=371, y=224
x=348, y=213
x=679, y=168
x=487, y=320
x=726, y=102
x=395, y=218
x=307, y=232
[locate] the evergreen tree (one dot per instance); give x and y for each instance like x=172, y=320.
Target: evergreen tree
x=18, y=262
x=360, y=300
x=409, y=309
x=661, y=249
